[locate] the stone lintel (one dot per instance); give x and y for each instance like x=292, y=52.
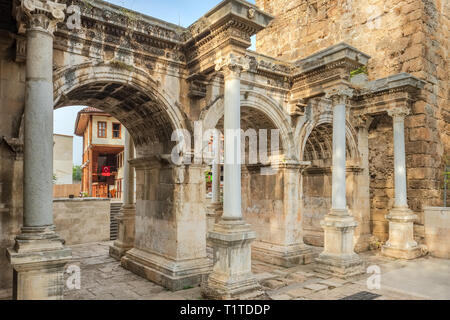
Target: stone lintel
x=400, y=80
x=250, y=16
x=331, y=55
x=171, y=274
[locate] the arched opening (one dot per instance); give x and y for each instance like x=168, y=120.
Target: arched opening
x=165, y=209
x=317, y=180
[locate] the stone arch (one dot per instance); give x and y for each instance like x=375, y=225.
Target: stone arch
x=312, y=129
x=315, y=144
x=269, y=108
x=166, y=211
x=129, y=94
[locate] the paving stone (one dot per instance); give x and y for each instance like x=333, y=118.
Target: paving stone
x=316, y=287
x=274, y=283
x=281, y=297
x=299, y=292
x=331, y=283
x=265, y=276
x=297, y=277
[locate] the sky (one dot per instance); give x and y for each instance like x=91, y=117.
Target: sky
x=180, y=12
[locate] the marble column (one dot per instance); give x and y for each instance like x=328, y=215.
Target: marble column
x=216, y=173
x=127, y=217
x=401, y=219
x=38, y=257
x=231, y=237
x=215, y=208
x=339, y=258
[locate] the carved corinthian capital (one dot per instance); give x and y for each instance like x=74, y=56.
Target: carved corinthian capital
x=340, y=95
x=232, y=66
x=38, y=14
x=398, y=112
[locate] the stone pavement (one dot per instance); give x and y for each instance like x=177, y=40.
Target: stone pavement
x=425, y=278
x=102, y=278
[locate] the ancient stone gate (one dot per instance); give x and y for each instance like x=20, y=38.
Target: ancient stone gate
x=155, y=78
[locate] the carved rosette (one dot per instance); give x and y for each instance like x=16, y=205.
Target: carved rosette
x=232, y=66
x=398, y=112
x=340, y=95
x=43, y=15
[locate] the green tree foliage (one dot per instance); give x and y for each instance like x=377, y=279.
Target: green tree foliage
x=76, y=173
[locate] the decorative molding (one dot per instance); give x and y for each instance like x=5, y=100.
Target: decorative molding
x=362, y=121
x=232, y=65
x=16, y=146
x=340, y=95
x=21, y=49
x=297, y=108
x=396, y=112
x=197, y=88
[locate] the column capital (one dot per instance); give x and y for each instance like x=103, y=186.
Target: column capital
x=340, y=95
x=363, y=121
x=398, y=112
x=231, y=65
x=41, y=15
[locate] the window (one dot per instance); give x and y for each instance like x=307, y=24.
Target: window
x=101, y=132
x=116, y=131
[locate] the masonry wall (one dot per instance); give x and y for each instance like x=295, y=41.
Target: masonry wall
x=12, y=94
x=401, y=36
x=80, y=221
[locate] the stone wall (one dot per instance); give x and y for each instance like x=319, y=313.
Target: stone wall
x=81, y=221
x=400, y=36
x=12, y=95
x=316, y=204
x=437, y=231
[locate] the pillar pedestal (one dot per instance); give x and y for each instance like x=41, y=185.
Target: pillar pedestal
x=125, y=241
x=285, y=256
x=401, y=243
x=232, y=276
x=338, y=258
x=214, y=212
x=38, y=260
x=170, y=273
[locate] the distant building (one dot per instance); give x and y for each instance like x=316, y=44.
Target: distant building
x=62, y=159
x=103, y=145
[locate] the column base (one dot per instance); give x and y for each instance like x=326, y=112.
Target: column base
x=214, y=213
x=339, y=266
x=118, y=250
x=401, y=243
x=284, y=256
x=338, y=258
x=232, y=278
x=38, y=259
x=126, y=233
x=171, y=274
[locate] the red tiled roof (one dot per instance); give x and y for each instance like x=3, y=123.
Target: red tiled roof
x=91, y=110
